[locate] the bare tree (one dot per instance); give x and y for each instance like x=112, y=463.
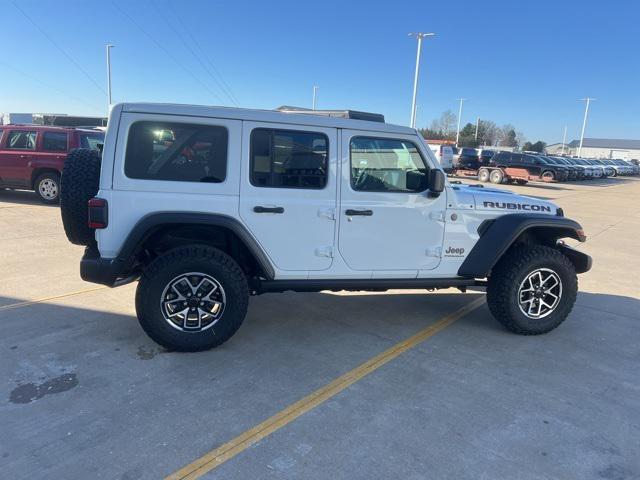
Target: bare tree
x=446, y=124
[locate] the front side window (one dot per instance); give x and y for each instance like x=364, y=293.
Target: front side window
x=288, y=159
x=176, y=152
x=21, y=140
x=54, y=141
x=386, y=165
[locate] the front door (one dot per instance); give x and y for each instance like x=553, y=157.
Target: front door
x=388, y=222
x=288, y=192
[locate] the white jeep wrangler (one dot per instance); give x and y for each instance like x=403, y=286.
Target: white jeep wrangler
x=207, y=206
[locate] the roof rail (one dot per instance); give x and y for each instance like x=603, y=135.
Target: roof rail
x=352, y=114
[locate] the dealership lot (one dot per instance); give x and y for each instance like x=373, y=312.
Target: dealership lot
x=86, y=394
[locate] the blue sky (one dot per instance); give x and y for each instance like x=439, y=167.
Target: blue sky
x=525, y=63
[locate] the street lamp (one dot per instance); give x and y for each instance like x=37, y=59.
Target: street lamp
x=459, y=118
x=584, y=122
x=109, y=47
x=315, y=96
x=419, y=36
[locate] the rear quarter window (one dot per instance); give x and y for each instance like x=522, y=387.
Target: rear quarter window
x=176, y=152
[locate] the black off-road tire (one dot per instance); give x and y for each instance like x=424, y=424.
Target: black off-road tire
x=181, y=260
x=508, y=274
x=51, y=194
x=79, y=184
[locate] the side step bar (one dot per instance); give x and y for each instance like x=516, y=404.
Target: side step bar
x=259, y=286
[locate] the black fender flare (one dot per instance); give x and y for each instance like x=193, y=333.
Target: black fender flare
x=497, y=235
x=150, y=223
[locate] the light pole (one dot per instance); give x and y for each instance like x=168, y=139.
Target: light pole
x=419, y=36
x=584, y=122
x=477, y=126
x=109, y=47
x=459, y=118
x=564, y=139
x=315, y=96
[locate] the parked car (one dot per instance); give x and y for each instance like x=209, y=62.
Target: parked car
x=583, y=171
x=591, y=171
x=239, y=202
x=535, y=165
x=485, y=156
x=32, y=156
x=574, y=173
x=444, y=155
x=609, y=171
x=599, y=170
x=468, y=158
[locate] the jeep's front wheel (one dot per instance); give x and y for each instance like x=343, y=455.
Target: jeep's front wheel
x=532, y=289
x=192, y=298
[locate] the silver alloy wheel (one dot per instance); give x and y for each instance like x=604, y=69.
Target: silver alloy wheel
x=540, y=293
x=48, y=188
x=193, y=302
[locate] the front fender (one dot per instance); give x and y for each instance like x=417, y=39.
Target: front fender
x=497, y=235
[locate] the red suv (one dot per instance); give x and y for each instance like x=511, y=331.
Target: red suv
x=31, y=156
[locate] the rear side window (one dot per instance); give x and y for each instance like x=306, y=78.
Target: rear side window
x=176, y=152
x=21, y=140
x=288, y=159
x=54, y=141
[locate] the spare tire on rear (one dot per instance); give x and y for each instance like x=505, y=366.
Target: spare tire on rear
x=79, y=183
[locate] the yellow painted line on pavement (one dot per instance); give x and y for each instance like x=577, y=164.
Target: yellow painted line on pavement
x=217, y=457
x=46, y=299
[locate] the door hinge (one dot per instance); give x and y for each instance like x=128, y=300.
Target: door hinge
x=434, y=252
x=438, y=215
x=324, y=252
x=329, y=213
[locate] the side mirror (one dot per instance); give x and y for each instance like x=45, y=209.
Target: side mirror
x=437, y=182
x=416, y=181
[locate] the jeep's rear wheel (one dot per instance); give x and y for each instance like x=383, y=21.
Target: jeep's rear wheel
x=192, y=298
x=47, y=186
x=532, y=289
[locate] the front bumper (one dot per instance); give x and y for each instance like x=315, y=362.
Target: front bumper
x=105, y=271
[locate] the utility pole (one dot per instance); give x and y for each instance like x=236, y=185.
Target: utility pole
x=584, y=122
x=459, y=118
x=315, y=96
x=419, y=36
x=109, y=47
x=477, y=126
x=564, y=139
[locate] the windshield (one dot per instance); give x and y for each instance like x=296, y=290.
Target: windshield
x=91, y=140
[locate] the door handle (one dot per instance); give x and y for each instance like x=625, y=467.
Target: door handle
x=365, y=213
x=261, y=209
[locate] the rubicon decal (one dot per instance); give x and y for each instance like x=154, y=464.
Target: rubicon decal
x=518, y=206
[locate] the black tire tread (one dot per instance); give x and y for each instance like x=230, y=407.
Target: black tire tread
x=236, y=281
x=504, y=276
x=79, y=183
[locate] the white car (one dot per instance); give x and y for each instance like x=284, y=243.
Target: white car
x=207, y=206
x=444, y=155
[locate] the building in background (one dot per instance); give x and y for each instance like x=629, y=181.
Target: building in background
x=599, y=148
x=57, y=119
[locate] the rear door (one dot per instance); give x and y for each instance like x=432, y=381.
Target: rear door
x=52, y=149
x=288, y=192
x=16, y=153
